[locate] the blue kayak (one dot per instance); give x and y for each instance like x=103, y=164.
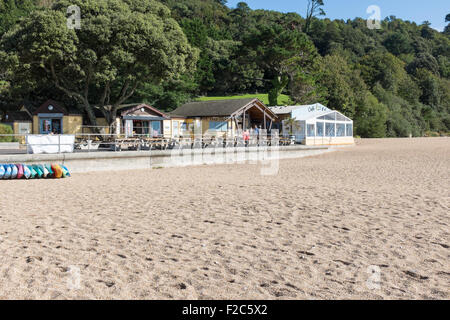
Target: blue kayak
x=8, y=171
x=2, y=171
x=67, y=171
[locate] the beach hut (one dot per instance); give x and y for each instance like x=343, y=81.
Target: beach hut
x=20, y=122
x=52, y=116
x=143, y=119
x=315, y=125
x=220, y=117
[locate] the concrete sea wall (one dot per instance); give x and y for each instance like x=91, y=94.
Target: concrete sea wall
x=133, y=160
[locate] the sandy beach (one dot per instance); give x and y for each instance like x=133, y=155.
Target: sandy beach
x=365, y=222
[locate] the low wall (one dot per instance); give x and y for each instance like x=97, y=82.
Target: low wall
x=132, y=160
x=9, y=145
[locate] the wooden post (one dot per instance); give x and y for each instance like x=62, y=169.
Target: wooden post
x=243, y=122
x=265, y=119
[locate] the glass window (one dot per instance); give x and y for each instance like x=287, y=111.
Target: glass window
x=340, y=117
x=175, y=128
x=340, y=129
x=329, y=128
x=218, y=126
x=311, y=130
x=156, y=127
x=350, y=130
x=331, y=116
x=146, y=127
x=46, y=126
x=320, y=130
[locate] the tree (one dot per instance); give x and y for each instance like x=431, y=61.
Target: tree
x=313, y=9
x=121, y=45
x=447, y=28
x=281, y=53
x=11, y=11
x=305, y=88
x=429, y=84
x=398, y=43
x=424, y=61
x=370, y=118
x=383, y=68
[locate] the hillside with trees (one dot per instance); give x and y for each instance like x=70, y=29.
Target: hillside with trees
x=394, y=81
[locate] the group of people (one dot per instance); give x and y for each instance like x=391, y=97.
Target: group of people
x=255, y=131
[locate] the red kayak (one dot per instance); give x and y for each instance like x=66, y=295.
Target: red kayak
x=19, y=171
x=57, y=171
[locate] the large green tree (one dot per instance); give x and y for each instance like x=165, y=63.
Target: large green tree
x=121, y=45
x=281, y=53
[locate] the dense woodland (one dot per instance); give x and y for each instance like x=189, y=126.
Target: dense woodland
x=394, y=81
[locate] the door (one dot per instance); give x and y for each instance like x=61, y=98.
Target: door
x=56, y=126
x=128, y=128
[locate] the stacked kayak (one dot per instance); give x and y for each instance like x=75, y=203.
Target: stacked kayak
x=34, y=171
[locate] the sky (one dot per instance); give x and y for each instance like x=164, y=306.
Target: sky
x=412, y=10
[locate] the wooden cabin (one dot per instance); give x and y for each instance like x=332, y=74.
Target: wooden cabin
x=143, y=119
x=221, y=117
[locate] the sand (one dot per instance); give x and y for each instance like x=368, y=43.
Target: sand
x=317, y=230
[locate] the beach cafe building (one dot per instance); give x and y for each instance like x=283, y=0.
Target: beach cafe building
x=221, y=117
x=315, y=125
x=145, y=120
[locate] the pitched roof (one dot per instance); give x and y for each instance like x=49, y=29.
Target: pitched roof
x=307, y=112
x=309, y=108
x=52, y=106
x=134, y=109
x=214, y=108
x=12, y=116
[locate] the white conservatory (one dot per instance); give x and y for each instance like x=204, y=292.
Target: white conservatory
x=315, y=125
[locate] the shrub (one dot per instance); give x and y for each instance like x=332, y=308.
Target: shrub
x=6, y=129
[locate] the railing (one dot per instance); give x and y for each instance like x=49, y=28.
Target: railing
x=92, y=142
